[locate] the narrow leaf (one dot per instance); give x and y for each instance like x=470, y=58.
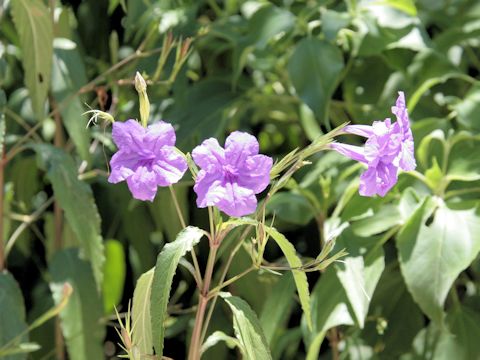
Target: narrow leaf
x=34, y=25
x=247, y=328
x=68, y=75
x=299, y=276
x=81, y=317
x=142, y=330
x=12, y=316
x=76, y=199
x=165, y=268
x=114, y=274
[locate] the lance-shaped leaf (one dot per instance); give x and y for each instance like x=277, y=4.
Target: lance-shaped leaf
x=299, y=276
x=142, y=331
x=34, y=25
x=81, y=317
x=165, y=268
x=12, y=316
x=247, y=328
x=75, y=197
x=432, y=256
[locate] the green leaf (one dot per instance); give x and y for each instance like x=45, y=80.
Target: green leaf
x=33, y=22
x=218, y=336
x=314, y=69
x=433, y=255
x=81, y=317
x=329, y=303
x=12, y=315
x=114, y=271
x=68, y=75
x=291, y=207
x=299, y=276
x=393, y=304
x=247, y=328
x=267, y=23
x=75, y=197
x=407, y=6
x=277, y=307
x=360, y=271
x=465, y=326
x=142, y=331
x=464, y=163
x=165, y=268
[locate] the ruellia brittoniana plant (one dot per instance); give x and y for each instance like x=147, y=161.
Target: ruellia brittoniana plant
x=234, y=183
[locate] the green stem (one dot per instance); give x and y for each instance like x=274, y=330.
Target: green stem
x=194, y=351
x=222, y=279
x=214, y=292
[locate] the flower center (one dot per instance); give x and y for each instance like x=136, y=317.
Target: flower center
x=230, y=173
x=147, y=158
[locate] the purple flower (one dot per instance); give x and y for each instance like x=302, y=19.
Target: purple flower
x=389, y=147
x=229, y=178
x=146, y=158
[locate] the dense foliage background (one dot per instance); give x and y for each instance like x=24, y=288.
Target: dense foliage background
x=286, y=71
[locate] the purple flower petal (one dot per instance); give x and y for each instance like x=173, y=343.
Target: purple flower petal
x=123, y=164
x=209, y=154
x=158, y=135
x=169, y=166
x=232, y=199
x=378, y=180
x=126, y=134
x=255, y=174
x=361, y=130
x=143, y=184
x=353, y=152
x=239, y=146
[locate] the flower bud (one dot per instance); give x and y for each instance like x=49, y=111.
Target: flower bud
x=141, y=87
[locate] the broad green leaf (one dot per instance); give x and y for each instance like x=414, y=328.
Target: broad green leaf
x=247, y=328
x=291, y=207
x=392, y=303
x=33, y=22
x=12, y=316
x=76, y=198
x=68, y=75
x=268, y=22
x=114, y=271
x=329, y=304
x=142, y=331
x=277, y=307
x=165, y=268
x=464, y=324
x=360, y=271
x=314, y=69
x=81, y=318
x=433, y=255
x=464, y=164
x=299, y=276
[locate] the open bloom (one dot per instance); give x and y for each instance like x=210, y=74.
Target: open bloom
x=229, y=178
x=146, y=158
x=389, y=147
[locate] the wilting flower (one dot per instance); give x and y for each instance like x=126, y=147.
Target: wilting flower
x=146, y=158
x=229, y=178
x=389, y=147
